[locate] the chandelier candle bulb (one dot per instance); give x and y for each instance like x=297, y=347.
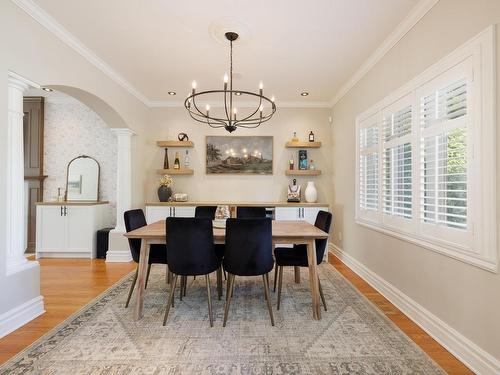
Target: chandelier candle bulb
x=207, y=107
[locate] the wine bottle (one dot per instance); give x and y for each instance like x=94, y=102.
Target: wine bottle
x=186, y=159
x=177, y=163
x=291, y=163
x=311, y=136
x=165, y=160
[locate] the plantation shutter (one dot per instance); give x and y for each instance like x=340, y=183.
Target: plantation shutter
x=444, y=158
x=368, y=178
x=397, y=188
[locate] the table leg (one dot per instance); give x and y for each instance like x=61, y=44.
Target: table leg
x=141, y=278
x=296, y=269
x=313, y=279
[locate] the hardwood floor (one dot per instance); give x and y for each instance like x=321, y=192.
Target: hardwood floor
x=67, y=285
x=433, y=349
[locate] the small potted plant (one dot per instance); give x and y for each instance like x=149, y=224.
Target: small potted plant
x=165, y=189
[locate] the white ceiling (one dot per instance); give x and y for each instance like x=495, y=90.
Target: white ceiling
x=291, y=45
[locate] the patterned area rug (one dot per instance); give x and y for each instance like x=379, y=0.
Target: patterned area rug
x=353, y=337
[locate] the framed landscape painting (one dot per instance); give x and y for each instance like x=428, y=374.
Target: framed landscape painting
x=239, y=155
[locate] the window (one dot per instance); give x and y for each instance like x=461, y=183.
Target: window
x=426, y=158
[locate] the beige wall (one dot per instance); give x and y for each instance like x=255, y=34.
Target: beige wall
x=168, y=122
x=465, y=297
x=31, y=51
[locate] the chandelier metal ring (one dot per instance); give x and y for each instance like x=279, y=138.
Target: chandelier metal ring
x=230, y=120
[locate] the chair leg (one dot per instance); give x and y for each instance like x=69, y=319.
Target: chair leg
x=219, y=283
x=185, y=285
x=321, y=294
x=167, y=275
x=275, y=277
x=230, y=286
x=267, y=277
x=268, y=300
x=147, y=276
x=170, y=299
x=280, y=284
x=181, y=289
x=210, y=316
x=132, y=287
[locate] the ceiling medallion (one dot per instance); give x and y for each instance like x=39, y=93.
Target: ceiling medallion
x=228, y=116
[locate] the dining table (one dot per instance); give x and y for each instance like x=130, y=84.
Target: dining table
x=283, y=232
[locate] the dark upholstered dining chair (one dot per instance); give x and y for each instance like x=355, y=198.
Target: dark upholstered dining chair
x=207, y=212
x=250, y=212
x=248, y=253
x=297, y=256
x=135, y=219
x=191, y=253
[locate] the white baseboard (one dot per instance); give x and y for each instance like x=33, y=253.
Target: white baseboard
x=118, y=256
x=478, y=360
x=20, y=315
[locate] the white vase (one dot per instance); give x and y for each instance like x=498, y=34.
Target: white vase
x=311, y=194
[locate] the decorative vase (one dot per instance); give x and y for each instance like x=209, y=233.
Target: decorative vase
x=311, y=194
x=164, y=193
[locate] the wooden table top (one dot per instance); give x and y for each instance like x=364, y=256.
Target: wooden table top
x=281, y=229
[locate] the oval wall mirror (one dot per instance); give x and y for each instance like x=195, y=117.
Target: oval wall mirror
x=82, y=179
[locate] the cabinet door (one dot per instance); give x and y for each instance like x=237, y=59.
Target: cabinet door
x=79, y=229
x=157, y=213
x=310, y=213
x=184, y=211
x=50, y=231
x=287, y=213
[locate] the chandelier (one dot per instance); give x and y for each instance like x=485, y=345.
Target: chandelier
x=228, y=116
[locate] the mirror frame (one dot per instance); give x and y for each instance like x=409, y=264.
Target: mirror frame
x=98, y=176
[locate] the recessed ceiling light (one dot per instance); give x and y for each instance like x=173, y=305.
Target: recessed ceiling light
x=47, y=89
x=304, y=93
x=172, y=93
x=237, y=93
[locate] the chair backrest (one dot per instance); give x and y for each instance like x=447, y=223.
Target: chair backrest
x=250, y=212
x=207, y=212
x=134, y=219
x=190, y=244
x=323, y=221
x=248, y=247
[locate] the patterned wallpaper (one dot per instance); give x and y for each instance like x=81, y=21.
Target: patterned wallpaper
x=73, y=129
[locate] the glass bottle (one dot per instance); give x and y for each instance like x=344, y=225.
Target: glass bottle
x=177, y=163
x=186, y=159
x=291, y=163
x=312, y=167
x=311, y=136
x=165, y=160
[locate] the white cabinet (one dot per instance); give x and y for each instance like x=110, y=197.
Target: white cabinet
x=298, y=213
x=69, y=230
x=157, y=213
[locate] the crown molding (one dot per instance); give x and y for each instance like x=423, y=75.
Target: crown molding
x=416, y=14
x=44, y=19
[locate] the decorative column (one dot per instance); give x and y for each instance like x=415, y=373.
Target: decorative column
x=16, y=261
x=118, y=245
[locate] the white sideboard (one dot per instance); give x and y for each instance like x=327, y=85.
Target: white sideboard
x=69, y=229
x=156, y=213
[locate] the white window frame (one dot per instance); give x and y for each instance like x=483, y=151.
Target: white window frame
x=478, y=55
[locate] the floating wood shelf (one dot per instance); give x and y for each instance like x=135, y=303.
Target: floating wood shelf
x=174, y=143
x=306, y=172
x=303, y=144
x=185, y=171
